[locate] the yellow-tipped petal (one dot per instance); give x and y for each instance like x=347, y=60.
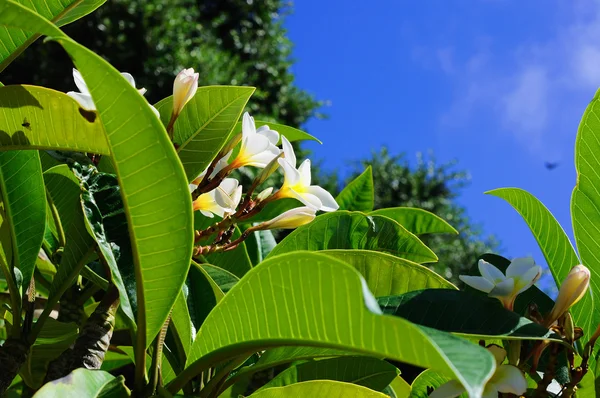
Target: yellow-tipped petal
x=571, y=291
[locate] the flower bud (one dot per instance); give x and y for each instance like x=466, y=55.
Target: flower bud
x=290, y=219
x=264, y=194
x=184, y=88
x=571, y=291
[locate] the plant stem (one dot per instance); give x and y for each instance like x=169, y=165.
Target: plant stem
x=59, y=228
x=155, y=367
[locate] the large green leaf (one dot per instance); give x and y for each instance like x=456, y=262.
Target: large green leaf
x=203, y=296
x=272, y=297
x=358, y=195
x=238, y=382
x=106, y=221
x=417, y=221
x=555, y=245
x=152, y=180
x=319, y=388
x=13, y=40
x=388, y=275
x=585, y=208
x=39, y=118
x=372, y=373
x=354, y=230
x=259, y=244
x=24, y=197
x=205, y=124
x=429, y=379
x=85, y=383
x=463, y=312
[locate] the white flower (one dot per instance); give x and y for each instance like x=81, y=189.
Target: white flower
x=521, y=274
x=296, y=182
x=220, y=201
x=571, y=291
x=290, y=219
x=85, y=98
x=184, y=88
x=258, y=147
x=506, y=379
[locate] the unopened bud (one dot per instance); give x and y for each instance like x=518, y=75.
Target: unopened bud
x=568, y=328
x=290, y=219
x=266, y=172
x=184, y=88
x=571, y=291
x=264, y=194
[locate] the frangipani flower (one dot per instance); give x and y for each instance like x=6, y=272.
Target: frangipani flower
x=184, y=88
x=571, y=291
x=259, y=146
x=296, y=182
x=290, y=219
x=521, y=274
x=220, y=201
x=506, y=379
x=85, y=98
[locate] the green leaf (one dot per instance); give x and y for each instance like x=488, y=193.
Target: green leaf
x=291, y=133
x=24, y=199
x=585, y=210
x=115, y=360
x=399, y=387
x=85, y=383
x=13, y=41
x=141, y=152
x=181, y=327
x=259, y=244
x=205, y=124
x=237, y=383
x=359, y=194
x=388, y=275
x=106, y=221
x=39, y=118
x=203, y=296
x=417, y=221
x=465, y=313
x=54, y=338
x=319, y=388
x=267, y=305
x=555, y=245
x=372, y=373
x=354, y=230
x=427, y=379
x=222, y=278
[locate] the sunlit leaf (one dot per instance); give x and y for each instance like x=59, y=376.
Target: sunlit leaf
x=359, y=194
x=319, y=388
x=354, y=230
x=85, y=383
x=417, y=221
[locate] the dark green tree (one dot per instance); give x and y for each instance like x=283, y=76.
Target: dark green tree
x=433, y=187
x=238, y=42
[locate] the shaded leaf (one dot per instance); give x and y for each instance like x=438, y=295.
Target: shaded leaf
x=429, y=379
x=319, y=388
x=85, y=383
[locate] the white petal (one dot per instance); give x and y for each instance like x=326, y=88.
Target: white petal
x=254, y=145
x=498, y=352
x=236, y=197
x=304, y=171
x=207, y=213
x=490, y=272
x=519, y=266
x=272, y=135
x=527, y=280
x=192, y=187
x=85, y=100
x=129, y=78
x=327, y=200
x=222, y=199
x=229, y=185
x=291, y=175
x=248, y=128
x=155, y=111
x=509, y=379
x=308, y=199
x=477, y=282
x=79, y=82
x=264, y=158
x=450, y=389
x=288, y=151
x=503, y=289
x=489, y=391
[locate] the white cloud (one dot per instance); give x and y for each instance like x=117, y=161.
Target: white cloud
x=528, y=90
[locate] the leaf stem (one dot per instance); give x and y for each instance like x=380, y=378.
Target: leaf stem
x=59, y=228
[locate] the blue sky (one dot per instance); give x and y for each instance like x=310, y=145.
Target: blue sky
x=498, y=85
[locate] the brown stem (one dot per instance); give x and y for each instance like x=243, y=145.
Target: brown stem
x=93, y=341
x=223, y=248
x=542, y=388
